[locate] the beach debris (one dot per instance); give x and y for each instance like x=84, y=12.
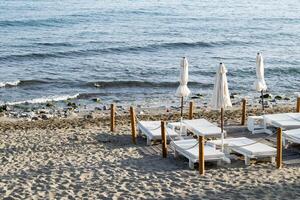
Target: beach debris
x=97, y=85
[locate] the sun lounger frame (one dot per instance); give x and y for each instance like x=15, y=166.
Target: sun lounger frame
x=194, y=159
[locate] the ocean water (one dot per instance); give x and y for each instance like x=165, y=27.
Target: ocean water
x=129, y=51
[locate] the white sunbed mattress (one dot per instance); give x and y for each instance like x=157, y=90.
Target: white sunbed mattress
x=153, y=130
x=184, y=147
x=252, y=148
x=292, y=135
x=202, y=127
x=283, y=120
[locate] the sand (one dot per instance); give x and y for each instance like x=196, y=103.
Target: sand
x=82, y=159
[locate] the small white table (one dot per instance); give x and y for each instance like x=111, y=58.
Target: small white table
x=255, y=124
x=174, y=125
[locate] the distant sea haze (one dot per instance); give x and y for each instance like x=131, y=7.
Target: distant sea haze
x=129, y=51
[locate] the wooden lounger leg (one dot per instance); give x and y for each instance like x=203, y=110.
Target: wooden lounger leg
x=247, y=160
x=175, y=154
x=284, y=142
x=191, y=164
x=139, y=132
x=148, y=141
x=272, y=159
x=227, y=160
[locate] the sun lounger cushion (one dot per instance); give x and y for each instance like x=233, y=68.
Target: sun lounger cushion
x=246, y=146
x=283, y=120
x=153, y=130
x=202, y=127
x=292, y=135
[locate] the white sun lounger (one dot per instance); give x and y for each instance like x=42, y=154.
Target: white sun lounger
x=247, y=147
x=291, y=136
x=152, y=130
x=202, y=127
x=189, y=148
x=282, y=120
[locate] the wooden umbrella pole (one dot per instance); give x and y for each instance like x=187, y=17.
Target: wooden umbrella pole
x=112, y=117
x=262, y=99
x=191, y=113
x=222, y=120
x=181, y=114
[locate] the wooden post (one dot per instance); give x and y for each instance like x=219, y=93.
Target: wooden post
x=298, y=105
x=279, y=149
x=163, y=139
x=112, y=117
x=133, y=125
x=243, y=112
x=201, y=155
x=191, y=113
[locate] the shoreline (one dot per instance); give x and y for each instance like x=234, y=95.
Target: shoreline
x=96, y=117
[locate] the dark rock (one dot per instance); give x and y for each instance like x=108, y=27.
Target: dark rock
x=286, y=98
x=231, y=96
x=89, y=116
x=45, y=117
x=49, y=104
x=3, y=108
x=195, y=97
x=72, y=104
x=34, y=118
x=266, y=96
x=199, y=95
x=96, y=100
x=97, y=108
x=104, y=108
x=278, y=97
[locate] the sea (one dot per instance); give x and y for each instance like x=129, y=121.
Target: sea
x=129, y=51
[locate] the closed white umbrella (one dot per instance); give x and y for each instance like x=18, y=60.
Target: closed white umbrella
x=260, y=83
x=183, y=90
x=221, y=97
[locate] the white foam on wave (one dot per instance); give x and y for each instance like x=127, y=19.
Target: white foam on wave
x=11, y=83
x=44, y=99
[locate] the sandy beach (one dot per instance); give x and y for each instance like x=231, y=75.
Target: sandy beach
x=77, y=158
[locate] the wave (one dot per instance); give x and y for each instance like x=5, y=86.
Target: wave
x=54, y=44
x=118, y=50
x=143, y=84
x=21, y=83
x=44, y=99
x=9, y=84
x=57, y=22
